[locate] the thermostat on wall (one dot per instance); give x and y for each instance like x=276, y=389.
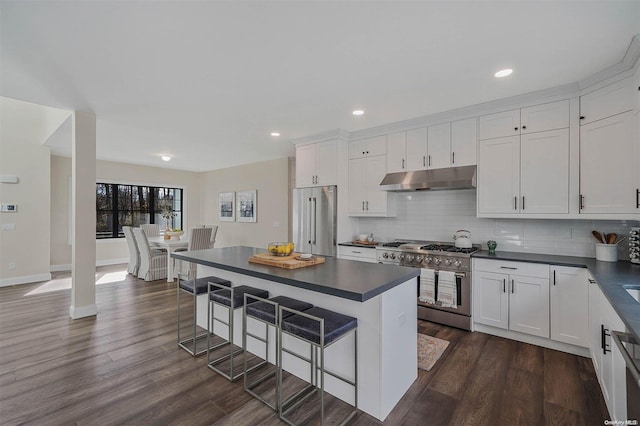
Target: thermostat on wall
x=9, y=208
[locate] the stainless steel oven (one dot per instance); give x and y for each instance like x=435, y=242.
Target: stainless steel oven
x=435, y=258
x=630, y=349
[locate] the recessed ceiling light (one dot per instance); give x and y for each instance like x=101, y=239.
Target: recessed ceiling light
x=503, y=73
x=275, y=134
x=166, y=157
x=358, y=112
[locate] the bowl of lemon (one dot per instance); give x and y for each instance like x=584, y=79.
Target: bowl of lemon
x=280, y=249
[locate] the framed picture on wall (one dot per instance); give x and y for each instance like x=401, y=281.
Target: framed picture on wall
x=247, y=206
x=226, y=206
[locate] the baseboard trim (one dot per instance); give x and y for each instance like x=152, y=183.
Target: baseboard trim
x=76, y=312
x=533, y=340
x=6, y=282
x=105, y=262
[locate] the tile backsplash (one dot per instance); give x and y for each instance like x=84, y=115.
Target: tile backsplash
x=437, y=215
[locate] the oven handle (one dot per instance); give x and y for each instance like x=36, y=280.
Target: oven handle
x=619, y=337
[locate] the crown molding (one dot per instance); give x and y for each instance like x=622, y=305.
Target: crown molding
x=323, y=136
x=629, y=61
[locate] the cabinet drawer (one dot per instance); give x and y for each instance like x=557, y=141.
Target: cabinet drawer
x=359, y=252
x=540, y=270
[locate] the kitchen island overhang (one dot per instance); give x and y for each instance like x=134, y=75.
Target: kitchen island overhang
x=381, y=297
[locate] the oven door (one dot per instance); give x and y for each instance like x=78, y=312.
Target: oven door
x=463, y=293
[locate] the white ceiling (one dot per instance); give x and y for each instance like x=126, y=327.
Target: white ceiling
x=207, y=81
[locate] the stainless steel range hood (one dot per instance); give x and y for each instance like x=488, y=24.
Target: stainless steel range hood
x=421, y=180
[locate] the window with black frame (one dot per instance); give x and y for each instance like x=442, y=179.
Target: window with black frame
x=119, y=205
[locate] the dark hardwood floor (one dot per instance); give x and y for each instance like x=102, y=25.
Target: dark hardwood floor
x=124, y=367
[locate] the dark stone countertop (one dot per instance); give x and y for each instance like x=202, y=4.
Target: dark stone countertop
x=348, y=279
x=352, y=244
x=611, y=277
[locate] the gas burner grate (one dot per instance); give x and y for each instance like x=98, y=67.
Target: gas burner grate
x=462, y=250
x=438, y=247
x=395, y=244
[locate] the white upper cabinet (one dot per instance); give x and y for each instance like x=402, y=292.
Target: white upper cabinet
x=316, y=164
x=500, y=125
x=498, y=175
x=439, y=146
x=608, y=159
x=365, y=196
x=397, y=152
x=417, y=149
x=464, y=140
x=537, y=118
x=609, y=100
x=368, y=147
x=544, y=172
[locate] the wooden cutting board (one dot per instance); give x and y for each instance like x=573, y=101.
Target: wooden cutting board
x=286, y=262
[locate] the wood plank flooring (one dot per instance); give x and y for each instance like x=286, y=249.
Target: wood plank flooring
x=124, y=367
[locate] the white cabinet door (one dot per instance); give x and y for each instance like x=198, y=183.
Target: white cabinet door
x=529, y=305
x=377, y=146
x=613, y=382
x=464, y=140
x=609, y=100
x=397, y=152
x=569, y=298
x=595, y=336
x=417, y=149
x=544, y=172
x=439, y=146
x=490, y=299
x=326, y=163
x=305, y=165
x=608, y=159
x=499, y=125
x=499, y=175
x=376, y=201
x=539, y=118
x=357, y=185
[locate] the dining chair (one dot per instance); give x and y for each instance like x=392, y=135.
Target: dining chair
x=134, y=252
x=151, y=229
x=199, y=239
x=153, y=263
x=214, y=232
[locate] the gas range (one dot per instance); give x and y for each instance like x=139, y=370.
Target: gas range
x=426, y=254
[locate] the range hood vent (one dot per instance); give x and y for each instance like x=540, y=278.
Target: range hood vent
x=421, y=180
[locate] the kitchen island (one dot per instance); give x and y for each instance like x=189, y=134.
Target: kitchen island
x=381, y=297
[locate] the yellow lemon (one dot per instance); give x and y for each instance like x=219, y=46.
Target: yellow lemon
x=281, y=249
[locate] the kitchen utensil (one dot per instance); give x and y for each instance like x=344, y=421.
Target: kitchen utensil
x=621, y=239
x=611, y=238
x=462, y=238
x=607, y=252
x=598, y=236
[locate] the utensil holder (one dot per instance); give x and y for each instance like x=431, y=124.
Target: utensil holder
x=607, y=252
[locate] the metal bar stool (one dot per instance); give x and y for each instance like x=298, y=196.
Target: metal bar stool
x=231, y=298
x=320, y=328
x=187, y=286
x=265, y=311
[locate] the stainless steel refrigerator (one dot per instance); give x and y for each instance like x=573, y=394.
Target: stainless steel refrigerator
x=314, y=220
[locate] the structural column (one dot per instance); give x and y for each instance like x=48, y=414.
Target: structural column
x=83, y=219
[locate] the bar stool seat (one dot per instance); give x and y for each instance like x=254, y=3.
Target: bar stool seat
x=232, y=298
x=186, y=285
x=267, y=311
x=335, y=325
x=320, y=328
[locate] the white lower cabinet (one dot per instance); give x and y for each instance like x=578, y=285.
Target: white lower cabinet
x=357, y=253
x=569, y=299
x=607, y=359
x=512, y=296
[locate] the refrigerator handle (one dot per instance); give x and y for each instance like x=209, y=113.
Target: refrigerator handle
x=315, y=216
x=309, y=234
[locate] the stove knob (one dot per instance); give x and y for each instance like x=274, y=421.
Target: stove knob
x=410, y=258
x=401, y=257
x=419, y=259
x=437, y=261
x=428, y=260
x=447, y=262
x=392, y=255
x=385, y=255
x=457, y=263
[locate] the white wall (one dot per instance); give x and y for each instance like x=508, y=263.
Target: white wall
x=116, y=250
x=436, y=215
x=271, y=180
x=24, y=127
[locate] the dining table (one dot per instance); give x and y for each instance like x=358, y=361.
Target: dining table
x=170, y=245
